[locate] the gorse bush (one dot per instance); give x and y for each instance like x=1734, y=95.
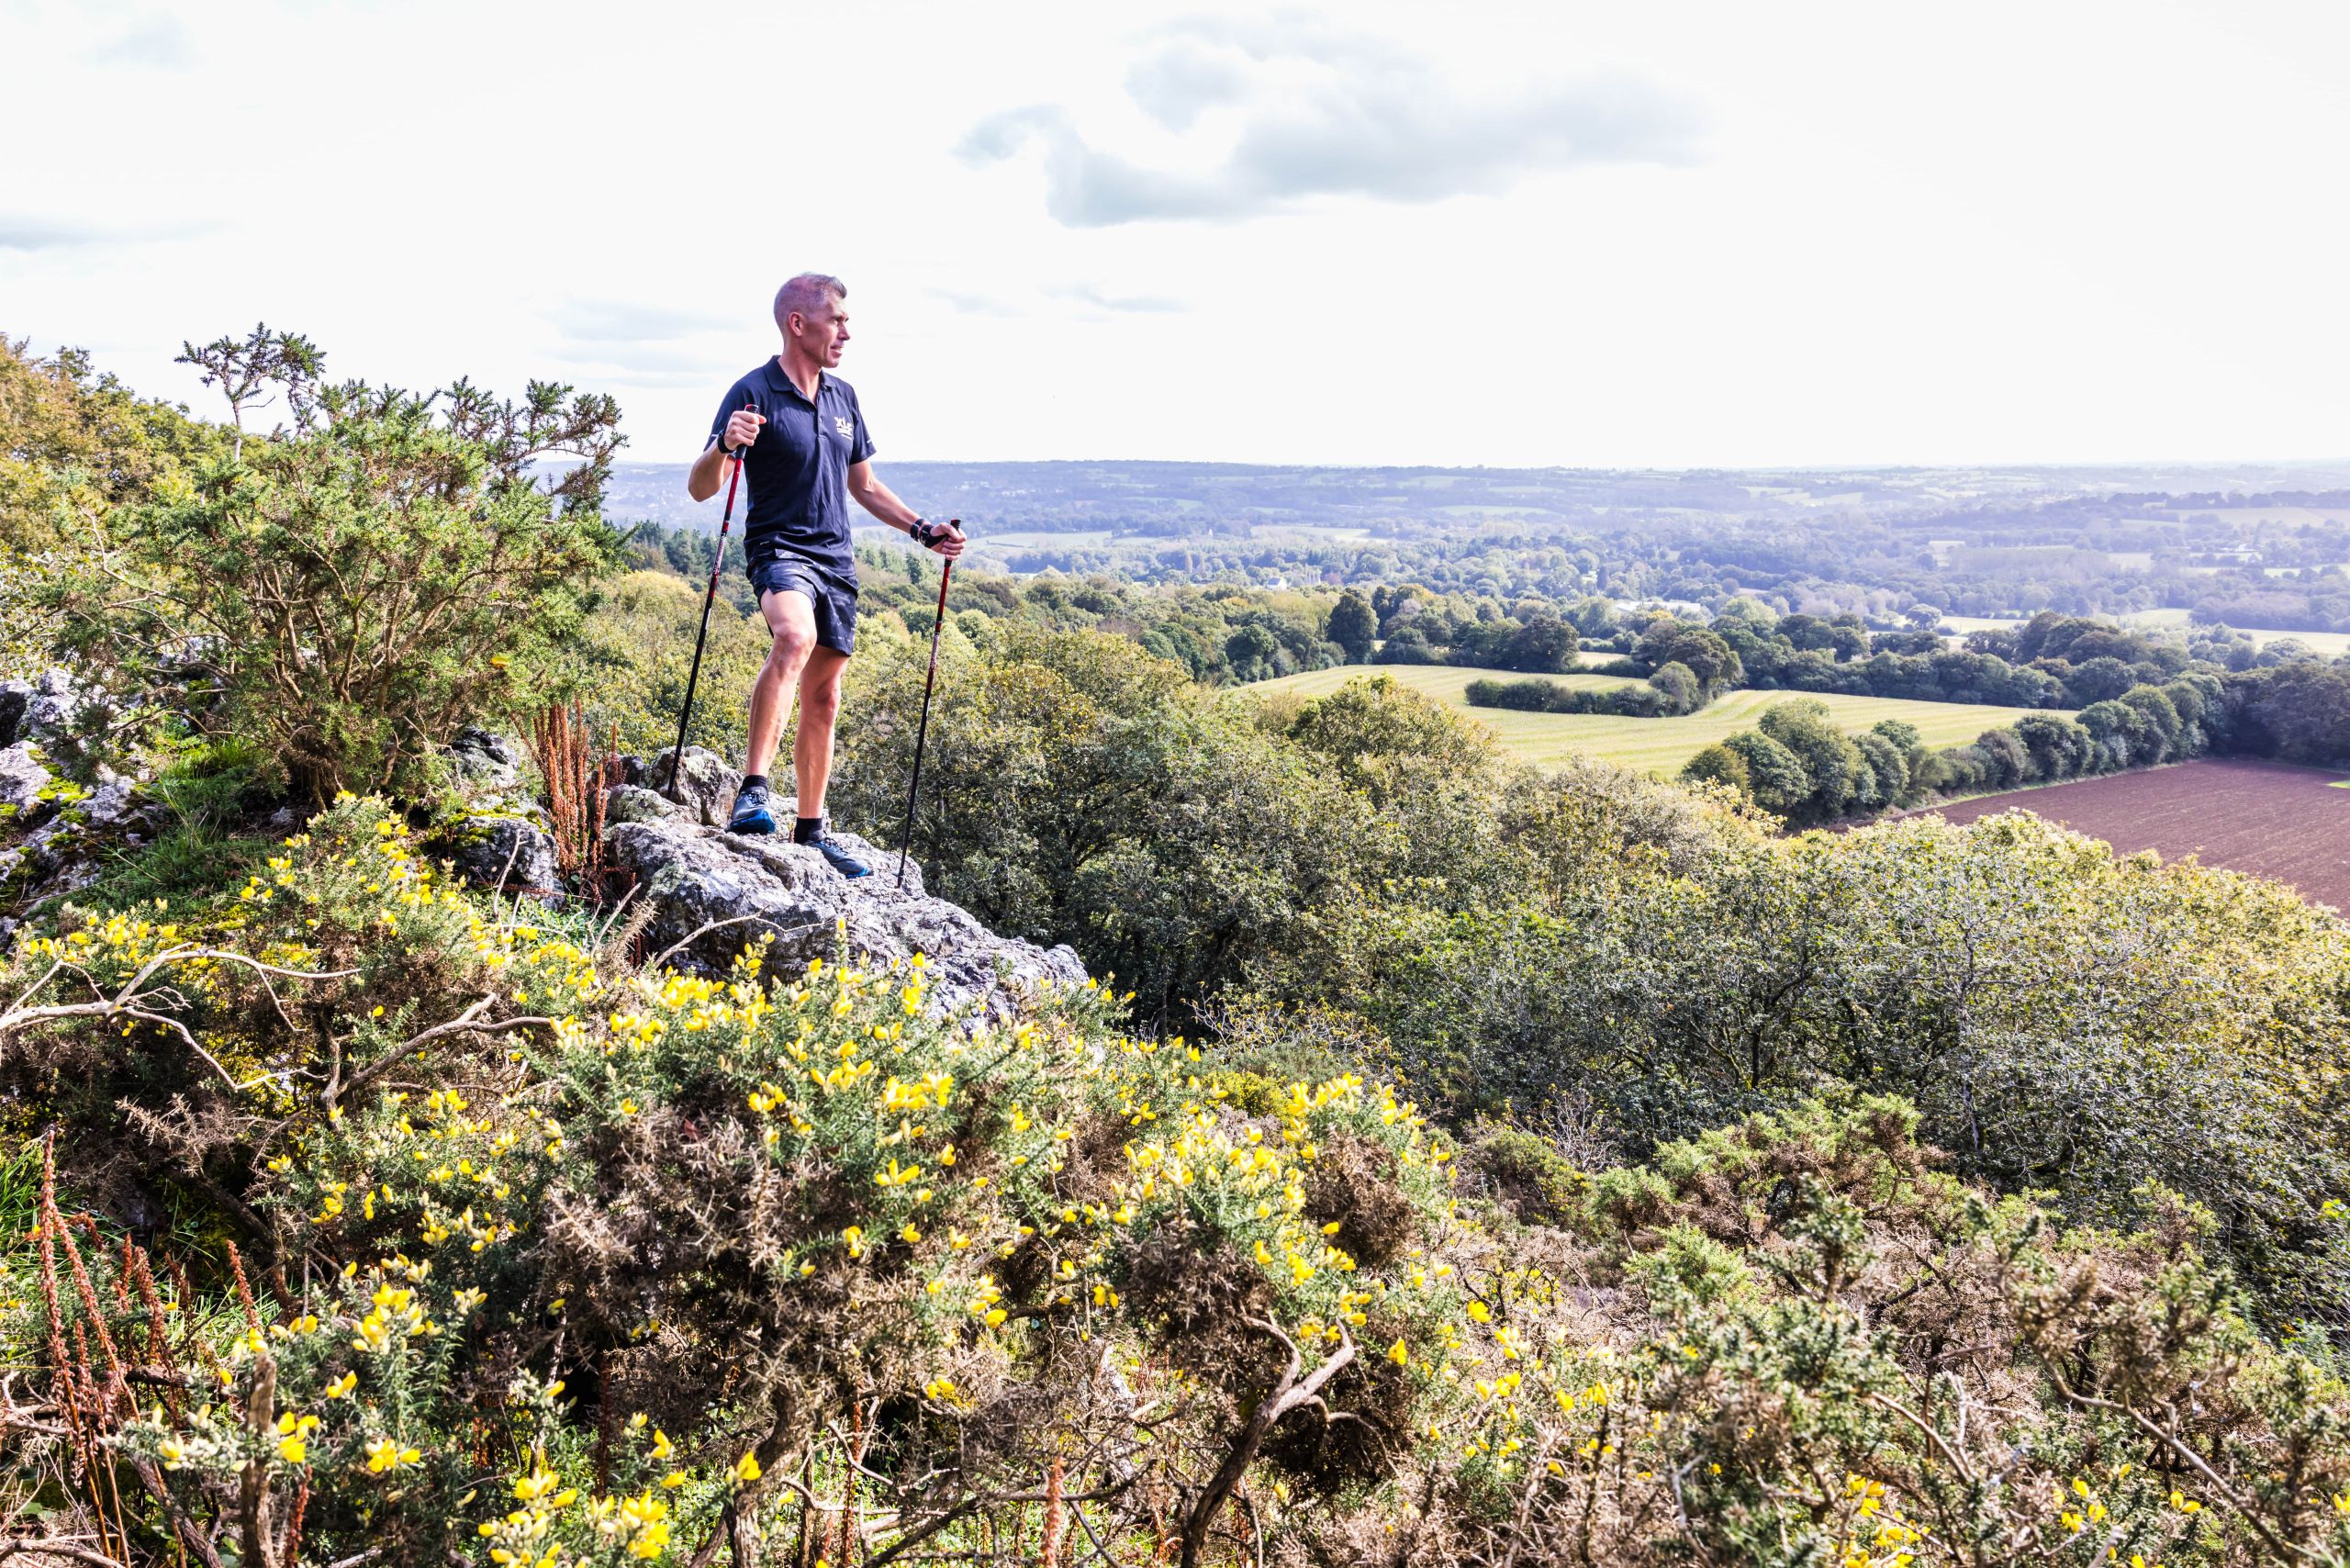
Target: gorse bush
x=74, y=441
x=350, y=593
x=774, y=1207
x=588, y=1265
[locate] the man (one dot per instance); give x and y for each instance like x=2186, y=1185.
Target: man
x=805, y=452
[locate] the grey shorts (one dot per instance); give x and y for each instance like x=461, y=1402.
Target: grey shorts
x=834, y=602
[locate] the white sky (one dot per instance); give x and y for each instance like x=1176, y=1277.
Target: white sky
x=1668, y=234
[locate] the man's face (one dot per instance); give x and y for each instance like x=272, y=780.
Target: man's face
x=823, y=334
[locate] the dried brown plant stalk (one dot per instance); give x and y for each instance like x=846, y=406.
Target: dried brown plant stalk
x=576, y=776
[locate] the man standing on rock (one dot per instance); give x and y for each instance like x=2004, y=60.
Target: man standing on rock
x=805, y=452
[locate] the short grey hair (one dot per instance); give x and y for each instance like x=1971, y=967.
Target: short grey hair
x=805, y=293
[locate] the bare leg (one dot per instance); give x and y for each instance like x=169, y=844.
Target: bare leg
x=792, y=620
x=819, y=705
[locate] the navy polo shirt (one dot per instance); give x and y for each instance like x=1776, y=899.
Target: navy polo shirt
x=797, y=472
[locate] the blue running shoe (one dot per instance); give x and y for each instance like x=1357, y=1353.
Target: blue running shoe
x=751, y=811
x=840, y=859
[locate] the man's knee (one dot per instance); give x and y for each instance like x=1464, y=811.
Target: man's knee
x=791, y=648
x=820, y=704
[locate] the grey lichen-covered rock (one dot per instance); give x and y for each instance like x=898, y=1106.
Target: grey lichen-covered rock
x=44, y=710
x=633, y=803
x=113, y=801
x=22, y=779
x=485, y=758
x=706, y=792
x=509, y=854
x=54, y=707
x=692, y=876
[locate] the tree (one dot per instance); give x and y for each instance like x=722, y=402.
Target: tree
x=2123, y=735
x=1250, y=644
x=1545, y=645
x=2008, y=756
x=1703, y=652
x=1592, y=617
x=1367, y=725
x=1353, y=626
x=1888, y=766
x=1902, y=734
x=2059, y=747
x=1832, y=762
x=2161, y=716
x=1679, y=687
x=1717, y=764
x=2298, y=712
x=1087, y=792
x=1407, y=646
x=2099, y=680
x=1777, y=776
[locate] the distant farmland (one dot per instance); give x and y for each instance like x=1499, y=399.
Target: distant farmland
x=1651, y=745
x=2263, y=818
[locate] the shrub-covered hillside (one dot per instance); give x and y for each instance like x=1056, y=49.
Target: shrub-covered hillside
x=1445, y=1162
x=374, y=1221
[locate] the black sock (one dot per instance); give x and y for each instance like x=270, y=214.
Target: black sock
x=805, y=829
x=750, y=778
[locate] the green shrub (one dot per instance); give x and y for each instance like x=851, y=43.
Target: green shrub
x=1076, y=790
x=347, y=596
x=1540, y=1182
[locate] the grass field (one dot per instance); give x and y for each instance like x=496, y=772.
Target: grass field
x=1651, y=745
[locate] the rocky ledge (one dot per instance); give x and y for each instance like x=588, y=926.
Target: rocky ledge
x=712, y=894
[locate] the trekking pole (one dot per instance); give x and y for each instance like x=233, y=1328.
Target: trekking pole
x=717, y=564
x=905, y=839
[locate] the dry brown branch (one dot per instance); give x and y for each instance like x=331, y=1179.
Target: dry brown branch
x=1288, y=1394
x=134, y=1001
x=57, y=1546
x=468, y=1022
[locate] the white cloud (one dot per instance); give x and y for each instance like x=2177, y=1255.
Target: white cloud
x=157, y=41
x=630, y=344
x=626, y=321
x=27, y=232
x=1129, y=304
x=974, y=303
x=19, y=231
x=1330, y=114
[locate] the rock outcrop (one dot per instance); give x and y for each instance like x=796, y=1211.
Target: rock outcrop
x=499, y=838
x=22, y=779
x=487, y=759
x=718, y=893
x=507, y=854
x=706, y=792
x=41, y=710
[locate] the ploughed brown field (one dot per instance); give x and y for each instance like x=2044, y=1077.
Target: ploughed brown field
x=2291, y=824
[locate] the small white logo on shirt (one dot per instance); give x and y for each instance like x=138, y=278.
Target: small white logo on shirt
x=842, y=425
